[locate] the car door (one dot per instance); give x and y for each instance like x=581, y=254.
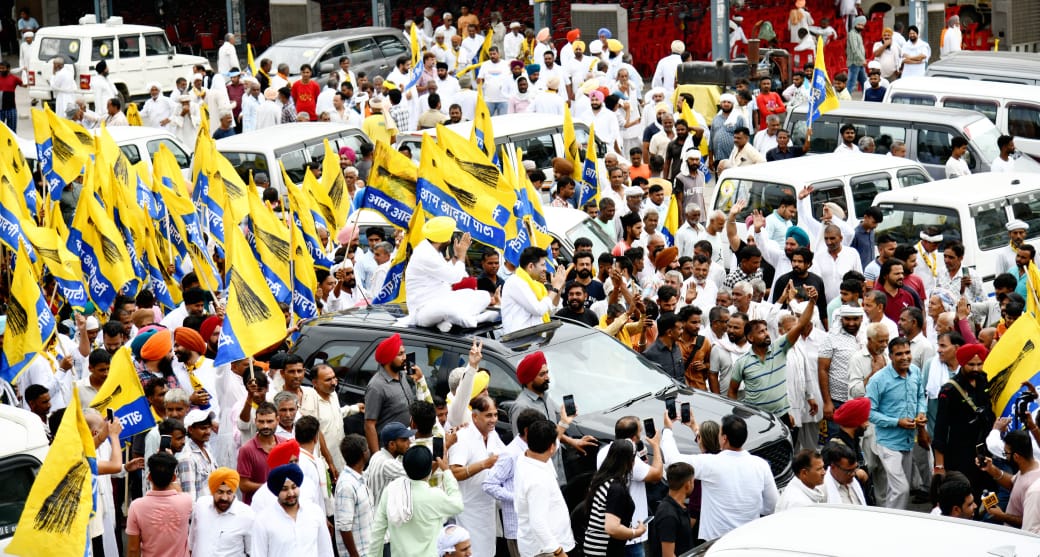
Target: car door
x=864, y=188
x=390, y=48
x=1023, y=123
x=156, y=57
x=328, y=61
x=365, y=57
x=131, y=64
x=932, y=148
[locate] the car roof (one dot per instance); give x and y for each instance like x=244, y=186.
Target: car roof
x=508, y=124
x=991, y=62
x=282, y=134
x=907, y=113
x=953, y=87
x=973, y=188
x=823, y=166
x=384, y=317
x=88, y=30
x=130, y=133
x=322, y=37
x=23, y=432
x=566, y=217
x=905, y=533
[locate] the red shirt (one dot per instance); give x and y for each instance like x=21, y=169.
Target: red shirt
x=896, y=304
x=8, y=84
x=768, y=103
x=305, y=95
x=252, y=464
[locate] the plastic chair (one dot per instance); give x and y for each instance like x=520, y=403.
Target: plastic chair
x=207, y=43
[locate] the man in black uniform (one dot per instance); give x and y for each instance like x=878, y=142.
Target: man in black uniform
x=964, y=418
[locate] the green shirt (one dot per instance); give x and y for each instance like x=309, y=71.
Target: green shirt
x=765, y=381
x=431, y=506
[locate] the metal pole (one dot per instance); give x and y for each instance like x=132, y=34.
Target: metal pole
x=919, y=17
x=720, y=30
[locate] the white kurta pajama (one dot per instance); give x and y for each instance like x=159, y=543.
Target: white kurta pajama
x=478, y=514
x=431, y=300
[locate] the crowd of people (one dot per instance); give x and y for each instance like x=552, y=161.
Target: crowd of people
x=869, y=350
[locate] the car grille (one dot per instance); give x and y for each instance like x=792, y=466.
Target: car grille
x=778, y=455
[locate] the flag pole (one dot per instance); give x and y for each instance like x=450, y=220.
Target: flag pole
x=292, y=277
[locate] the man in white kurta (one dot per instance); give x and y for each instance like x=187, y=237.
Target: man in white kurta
x=522, y=306
x=431, y=299
x=474, y=453
x=63, y=85
x=158, y=110
x=292, y=526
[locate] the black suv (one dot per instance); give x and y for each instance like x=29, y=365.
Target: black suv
x=608, y=381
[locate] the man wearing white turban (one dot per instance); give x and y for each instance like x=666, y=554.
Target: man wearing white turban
x=158, y=109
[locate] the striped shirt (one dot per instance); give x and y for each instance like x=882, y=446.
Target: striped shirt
x=354, y=510
x=382, y=469
x=611, y=497
x=765, y=381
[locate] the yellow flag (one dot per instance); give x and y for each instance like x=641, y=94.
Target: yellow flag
x=391, y=185
x=54, y=520
x=691, y=120
x=413, y=40
x=482, y=135
x=822, y=98
x=30, y=323
x=123, y=394
x=133, y=116
x=250, y=63
x=335, y=186
x=588, y=185
x=63, y=265
x=571, y=150
x=271, y=238
x=319, y=199
x=106, y=262
x=252, y=319
x=393, y=288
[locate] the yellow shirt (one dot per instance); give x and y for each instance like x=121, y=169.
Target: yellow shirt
x=376, y=128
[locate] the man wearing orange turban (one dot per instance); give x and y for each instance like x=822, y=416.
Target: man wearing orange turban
x=221, y=524
x=195, y=370
x=964, y=418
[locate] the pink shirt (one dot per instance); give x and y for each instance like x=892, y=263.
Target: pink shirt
x=160, y=518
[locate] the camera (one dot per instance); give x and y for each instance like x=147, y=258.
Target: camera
x=1022, y=404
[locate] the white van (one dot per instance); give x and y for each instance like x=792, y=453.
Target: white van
x=294, y=145
x=821, y=531
x=136, y=55
x=23, y=447
x=140, y=143
x=851, y=181
x=1012, y=107
x=540, y=136
x=971, y=209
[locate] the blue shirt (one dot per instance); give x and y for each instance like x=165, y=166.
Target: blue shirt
x=863, y=242
x=891, y=398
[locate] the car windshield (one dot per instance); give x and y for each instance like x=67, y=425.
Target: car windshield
x=904, y=221
x=588, y=229
x=984, y=135
x=597, y=359
x=294, y=56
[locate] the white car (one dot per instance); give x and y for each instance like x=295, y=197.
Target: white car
x=23, y=447
x=140, y=143
x=847, y=531
x=136, y=55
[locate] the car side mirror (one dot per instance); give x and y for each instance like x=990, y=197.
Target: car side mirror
x=326, y=67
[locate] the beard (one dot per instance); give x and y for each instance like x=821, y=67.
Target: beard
x=540, y=389
x=584, y=274
x=398, y=368
x=735, y=339
x=222, y=506
x=575, y=305
x=182, y=356
x=265, y=432
x=166, y=366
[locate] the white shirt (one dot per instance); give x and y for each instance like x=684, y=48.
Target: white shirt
x=227, y=58
x=797, y=494
x=540, y=509
x=951, y=41
x=1001, y=165
x=847, y=149
x=447, y=88
x=607, y=128
x=688, y=236
x=470, y=48
x=578, y=70
x=103, y=90
x=496, y=78
x=831, y=268
x=837, y=493
x=330, y=420
x=520, y=307
x=636, y=488
x=667, y=69
x=545, y=102
x=478, y=514
x=914, y=49
x=511, y=45
x=467, y=101
x=955, y=168
x=277, y=534
x=63, y=86
x=220, y=534
x=324, y=101
x=763, y=142
x=269, y=114
x=156, y=110
x=316, y=473
x=429, y=276
x=738, y=487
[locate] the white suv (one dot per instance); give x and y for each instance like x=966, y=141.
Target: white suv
x=135, y=54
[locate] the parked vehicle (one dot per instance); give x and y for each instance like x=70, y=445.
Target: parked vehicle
x=985, y=65
x=292, y=145
x=1013, y=108
x=607, y=379
x=373, y=50
x=926, y=131
x=23, y=447
x=136, y=56
x=971, y=209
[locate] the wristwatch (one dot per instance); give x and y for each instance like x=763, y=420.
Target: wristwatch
x=554, y=290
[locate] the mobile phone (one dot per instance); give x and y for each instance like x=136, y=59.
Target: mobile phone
x=568, y=405
x=257, y=372
x=409, y=362
x=649, y=427
x=438, y=447
x=648, y=521
x=964, y=271
x=669, y=404
x=685, y=412
x=981, y=452
x=110, y=415
x=165, y=443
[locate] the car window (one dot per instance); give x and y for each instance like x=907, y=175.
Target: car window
x=908, y=98
x=825, y=134
x=131, y=152
x=990, y=218
x=362, y=50
x=904, y=221
x=538, y=148
x=865, y=188
x=883, y=136
x=129, y=46
x=339, y=354
x=831, y=191
x=101, y=48
x=245, y=163
x=295, y=163
x=1023, y=120
x=434, y=361
x=155, y=44
x=391, y=46
x=352, y=140
x=1026, y=207
x=933, y=145
x=762, y=196
x=989, y=108
x=912, y=177
x=581, y=135
x=183, y=159
x=19, y=472
x=55, y=47
x=332, y=55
